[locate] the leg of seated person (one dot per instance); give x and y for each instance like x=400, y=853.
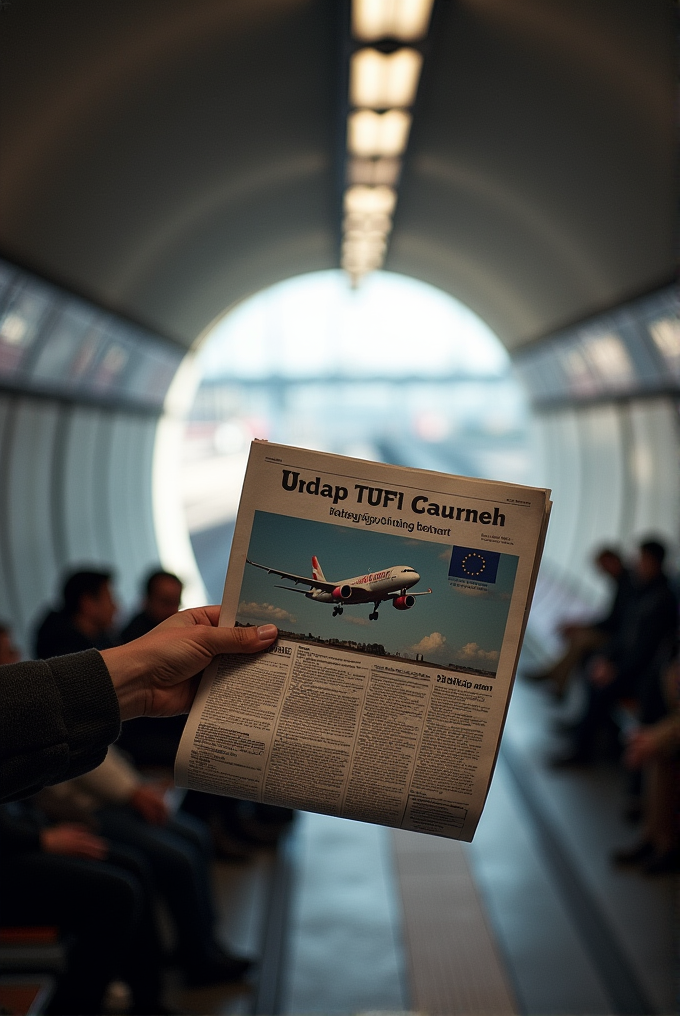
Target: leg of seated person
x=95, y=901
x=662, y=800
x=142, y=958
x=581, y=643
x=600, y=701
x=180, y=872
x=197, y=834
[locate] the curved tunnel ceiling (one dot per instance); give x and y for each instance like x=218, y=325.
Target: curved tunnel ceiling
x=169, y=158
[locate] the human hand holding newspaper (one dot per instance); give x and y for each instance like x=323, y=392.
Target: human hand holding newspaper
x=157, y=674
x=385, y=695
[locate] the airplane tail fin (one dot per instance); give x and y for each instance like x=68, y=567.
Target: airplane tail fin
x=317, y=571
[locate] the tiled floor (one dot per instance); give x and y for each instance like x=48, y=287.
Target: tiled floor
x=345, y=951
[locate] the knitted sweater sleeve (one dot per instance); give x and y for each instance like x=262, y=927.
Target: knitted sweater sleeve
x=57, y=718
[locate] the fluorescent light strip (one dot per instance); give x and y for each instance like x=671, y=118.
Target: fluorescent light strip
x=370, y=200
x=382, y=81
x=370, y=133
x=395, y=19
x=375, y=140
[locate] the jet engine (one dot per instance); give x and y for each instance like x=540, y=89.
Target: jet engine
x=342, y=592
x=403, y=602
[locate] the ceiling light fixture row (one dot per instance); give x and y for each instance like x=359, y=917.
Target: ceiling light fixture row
x=382, y=89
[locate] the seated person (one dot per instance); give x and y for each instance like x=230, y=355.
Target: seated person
x=655, y=748
x=153, y=742
x=122, y=807
x=647, y=629
x=63, y=875
x=84, y=620
x=162, y=597
x=584, y=639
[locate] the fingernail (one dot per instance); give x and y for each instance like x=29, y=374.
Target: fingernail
x=267, y=631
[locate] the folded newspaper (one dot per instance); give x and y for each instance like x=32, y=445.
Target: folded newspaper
x=401, y=597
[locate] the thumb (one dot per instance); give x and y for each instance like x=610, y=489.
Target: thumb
x=238, y=640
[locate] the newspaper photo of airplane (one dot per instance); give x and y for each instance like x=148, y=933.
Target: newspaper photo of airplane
x=375, y=587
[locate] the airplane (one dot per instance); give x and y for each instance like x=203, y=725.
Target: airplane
x=375, y=587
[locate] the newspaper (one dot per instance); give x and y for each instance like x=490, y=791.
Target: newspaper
x=401, y=598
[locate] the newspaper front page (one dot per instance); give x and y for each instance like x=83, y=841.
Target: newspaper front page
x=401, y=598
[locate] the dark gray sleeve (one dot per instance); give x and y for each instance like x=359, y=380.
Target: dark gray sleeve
x=57, y=718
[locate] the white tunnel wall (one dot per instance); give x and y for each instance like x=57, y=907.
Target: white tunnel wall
x=75, y=488
x=613, y=470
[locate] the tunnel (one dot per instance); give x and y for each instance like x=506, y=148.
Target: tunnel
x=163, y=161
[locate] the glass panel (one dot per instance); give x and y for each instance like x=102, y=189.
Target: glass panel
x=22, y=316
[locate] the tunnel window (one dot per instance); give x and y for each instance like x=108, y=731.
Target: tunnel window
x=395, y=371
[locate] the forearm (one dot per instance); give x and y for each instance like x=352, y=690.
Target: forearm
x=57, y=718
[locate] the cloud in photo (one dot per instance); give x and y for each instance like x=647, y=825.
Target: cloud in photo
x=430, y=643
x=266, y=612
x=363, y=621
x=472, y=651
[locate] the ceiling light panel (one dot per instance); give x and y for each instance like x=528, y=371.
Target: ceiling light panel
x=370, y=200
x=370, y=133
x=395, y=19
x=381, y=81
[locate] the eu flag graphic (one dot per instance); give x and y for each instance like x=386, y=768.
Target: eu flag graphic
x=480, y=565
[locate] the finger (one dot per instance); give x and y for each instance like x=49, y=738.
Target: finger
x=239, y=640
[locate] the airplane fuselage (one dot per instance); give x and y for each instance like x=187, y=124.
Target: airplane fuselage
x=368, y=588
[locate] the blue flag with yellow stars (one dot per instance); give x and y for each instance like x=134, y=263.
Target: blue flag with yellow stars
x=479, y=565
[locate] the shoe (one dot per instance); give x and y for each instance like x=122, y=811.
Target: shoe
x=636, y=854
x=224, y=970
x=666, y=863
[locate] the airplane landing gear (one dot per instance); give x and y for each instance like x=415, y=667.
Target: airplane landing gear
x=373, y=616
x=336, y=611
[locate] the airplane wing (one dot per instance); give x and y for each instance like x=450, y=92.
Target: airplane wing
x=394, y=596
x=327, y=587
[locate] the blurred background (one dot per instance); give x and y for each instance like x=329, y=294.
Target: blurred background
x=438, y=233
x=393, y=371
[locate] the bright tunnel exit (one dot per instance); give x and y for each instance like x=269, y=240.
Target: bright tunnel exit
x=394, y=371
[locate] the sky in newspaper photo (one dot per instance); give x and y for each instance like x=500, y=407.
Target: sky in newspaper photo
x=461, y=624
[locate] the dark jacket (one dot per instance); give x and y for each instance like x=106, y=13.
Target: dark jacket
x=648, y=625
x=57, y=636
x=139, y=625
x=57, y=718
x=611, y=622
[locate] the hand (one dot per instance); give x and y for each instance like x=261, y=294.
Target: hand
x=158, y=674
x=73, y=840
x=602, y=672
x=641, y=748
x=149, y=802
